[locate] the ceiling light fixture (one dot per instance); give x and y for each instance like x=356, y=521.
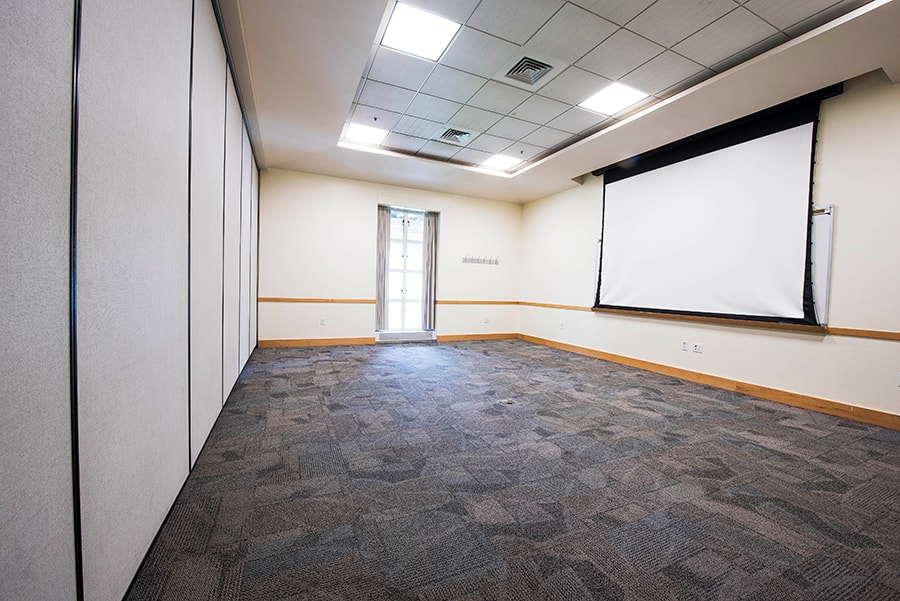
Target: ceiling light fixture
x=365, y=134
x=501, y=162
x=612, y=99
x=418, y=32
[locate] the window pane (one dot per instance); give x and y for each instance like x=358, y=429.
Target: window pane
x=396, y=225
x=414, y=261
x=413, y=286
x=413, y=316
x=394, y=309
x=395, y=259
x=395, y=285
x=416, y=226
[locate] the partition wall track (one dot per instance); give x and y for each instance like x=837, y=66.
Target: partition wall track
x=73, y=333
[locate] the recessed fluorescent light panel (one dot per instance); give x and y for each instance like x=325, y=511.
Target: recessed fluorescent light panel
x=418, y=32
x=365, y=134
x=501, y=162
x=612, y=99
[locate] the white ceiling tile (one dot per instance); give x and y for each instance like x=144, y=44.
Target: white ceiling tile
x=662, y=72
x=523, y=151
x=785, y=14
x=617, y=11
x=375, y=117
x=403, y=142
x=469, y=118
x=490, y=144
x=452, y=84
x=546, y=137
x=570, y=34
x=498, y=97
x=432, y=108
x=576, y=120
x=399, y=69
x=669, y=21
x=455, y=10
x=539, y=109
x=512, y=128
x=386, y=97
x=513, y=20
x=574, y=85
x=472, y=156
x=441, y=150
x=620, y=53
x=479, y=53
x=419, y=128
x=729, y=35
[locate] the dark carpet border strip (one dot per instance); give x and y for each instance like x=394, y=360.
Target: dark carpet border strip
x=860, y=414
x=794, y=399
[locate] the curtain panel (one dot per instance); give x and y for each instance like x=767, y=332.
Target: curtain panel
x=383, y=242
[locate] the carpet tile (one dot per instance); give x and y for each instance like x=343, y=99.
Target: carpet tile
x=502, y=470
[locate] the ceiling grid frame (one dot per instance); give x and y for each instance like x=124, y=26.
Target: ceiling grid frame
x=711, y=47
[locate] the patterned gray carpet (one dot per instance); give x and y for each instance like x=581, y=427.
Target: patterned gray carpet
x=510, y=471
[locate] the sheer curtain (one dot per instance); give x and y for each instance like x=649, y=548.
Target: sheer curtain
x=428, y=270
x=381, y=267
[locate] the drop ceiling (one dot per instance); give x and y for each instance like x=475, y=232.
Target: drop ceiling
x=306, y=70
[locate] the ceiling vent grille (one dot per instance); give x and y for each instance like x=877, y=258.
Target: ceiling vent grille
x=528, y=70
x=455, y=136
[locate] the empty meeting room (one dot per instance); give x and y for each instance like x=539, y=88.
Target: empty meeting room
x=472, y=300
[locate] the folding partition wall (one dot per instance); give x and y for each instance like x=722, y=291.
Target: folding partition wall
x=127, y=279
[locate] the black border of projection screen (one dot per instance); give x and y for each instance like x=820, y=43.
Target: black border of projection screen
x=718, y=224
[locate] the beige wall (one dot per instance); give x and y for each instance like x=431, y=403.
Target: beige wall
x=317, y=240
x=859, y=140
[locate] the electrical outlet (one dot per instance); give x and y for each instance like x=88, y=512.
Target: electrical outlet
x=487, y=320
x=698, y=348
x=684, y=345
x=322, y=321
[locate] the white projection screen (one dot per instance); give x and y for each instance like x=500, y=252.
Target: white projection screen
x=721, y=234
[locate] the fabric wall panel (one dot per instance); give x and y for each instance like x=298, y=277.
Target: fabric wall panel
x=37, y=548
x=132, y=280
x=207, y=206
x=234, y=128
x=254, y=255
x=246, y=202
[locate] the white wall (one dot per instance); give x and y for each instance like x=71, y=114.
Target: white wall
x=36, y=512
x=317, y=240
x=207, y=208
x=149, y=212
x=231, y=303
x=133, y=280
x=859, y=141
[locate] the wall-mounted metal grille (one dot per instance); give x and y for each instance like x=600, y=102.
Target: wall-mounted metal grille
x=528, y=70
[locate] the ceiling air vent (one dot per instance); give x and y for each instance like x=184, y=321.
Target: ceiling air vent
x=528, y=70
x=455, y=136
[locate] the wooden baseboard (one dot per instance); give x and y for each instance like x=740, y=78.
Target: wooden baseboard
x=475, y=337
x=860, y=414
x=316, y=342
